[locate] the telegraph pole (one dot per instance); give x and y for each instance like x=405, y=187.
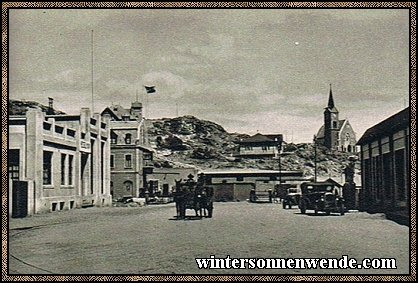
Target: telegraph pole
x=315, y=157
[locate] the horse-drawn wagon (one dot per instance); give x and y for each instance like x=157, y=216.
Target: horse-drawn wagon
x=193, y=195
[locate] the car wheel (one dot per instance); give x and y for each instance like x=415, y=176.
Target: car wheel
x=303, y=207
x=327, y=212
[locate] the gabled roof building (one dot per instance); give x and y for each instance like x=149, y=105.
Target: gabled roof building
x=335, y=134
x=260, y=145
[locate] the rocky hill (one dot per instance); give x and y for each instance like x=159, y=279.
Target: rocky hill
x=188, y=141
x=19, y=107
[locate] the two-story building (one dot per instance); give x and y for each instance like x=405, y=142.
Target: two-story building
x=260, y=145
x=130, y=158
x=57, y=162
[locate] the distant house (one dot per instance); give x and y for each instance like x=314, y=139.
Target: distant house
x=385, y=164
x=130, y=158
x=336, y=134
x=236, y=184
x=260, y=145
x=57, y=162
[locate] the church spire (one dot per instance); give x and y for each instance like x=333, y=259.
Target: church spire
x=330, y=99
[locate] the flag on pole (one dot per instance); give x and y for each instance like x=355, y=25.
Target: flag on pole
x=150, y=89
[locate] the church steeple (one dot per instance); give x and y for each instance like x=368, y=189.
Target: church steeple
x=331, y=122
x=330, y=99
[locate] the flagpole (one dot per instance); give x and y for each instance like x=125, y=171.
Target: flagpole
x=92, y=72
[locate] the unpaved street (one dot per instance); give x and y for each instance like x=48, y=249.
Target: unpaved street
x=149, y=240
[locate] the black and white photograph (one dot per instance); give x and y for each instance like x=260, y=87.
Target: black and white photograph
x=208, y=141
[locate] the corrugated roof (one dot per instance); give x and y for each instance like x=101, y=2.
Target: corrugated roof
x=394, y=123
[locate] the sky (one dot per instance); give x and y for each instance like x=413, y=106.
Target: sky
x=249, y=70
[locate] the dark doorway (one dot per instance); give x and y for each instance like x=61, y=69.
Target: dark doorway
x=165, y=190
x=19, y=199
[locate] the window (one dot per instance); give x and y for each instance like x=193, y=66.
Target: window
x=63, y=159
x=113, y=138
x=112, y=161
x=128, y=161
x=347, y=137
x=14, y=164
x=70, y=169
x=47, y=168
x=128, y=138
x=334, y=124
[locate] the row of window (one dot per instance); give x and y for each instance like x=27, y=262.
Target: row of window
x=114, y=138
x=127, y=162
x=264, y=148
x=67, y=168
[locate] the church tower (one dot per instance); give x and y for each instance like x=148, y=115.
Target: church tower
x=331, y=125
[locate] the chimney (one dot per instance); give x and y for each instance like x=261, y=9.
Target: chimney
x=50, y=110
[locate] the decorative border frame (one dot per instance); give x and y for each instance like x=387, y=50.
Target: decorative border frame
x=255, y=5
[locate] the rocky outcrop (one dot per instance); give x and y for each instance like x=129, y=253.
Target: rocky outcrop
x=189, y=141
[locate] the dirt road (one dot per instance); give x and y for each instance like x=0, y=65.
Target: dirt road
x=149, y=240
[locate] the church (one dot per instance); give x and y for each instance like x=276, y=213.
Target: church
x=336, y=134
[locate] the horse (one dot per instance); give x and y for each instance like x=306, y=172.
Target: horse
x=180, y=200
x=187, y=196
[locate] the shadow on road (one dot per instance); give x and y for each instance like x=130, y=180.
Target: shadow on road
x=319, y=214
x=187, y=218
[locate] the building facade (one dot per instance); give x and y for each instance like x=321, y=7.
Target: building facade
x=260, y=145
x=385, y=164
x=335, y=134
x=58, y=162
x=232, y=185
x=162, y=181
x=130, y=158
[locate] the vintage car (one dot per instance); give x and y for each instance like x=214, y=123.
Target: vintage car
x=292, y=198
x=321, y=196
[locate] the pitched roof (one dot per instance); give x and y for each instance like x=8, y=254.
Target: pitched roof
x=117, y=111
x=259, y=138
x=394, y=123
x=275, y=137
x=321, y=132
x=331, y=105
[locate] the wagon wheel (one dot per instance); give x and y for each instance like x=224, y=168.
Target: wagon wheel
x=342, y=209
x=303, y=207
